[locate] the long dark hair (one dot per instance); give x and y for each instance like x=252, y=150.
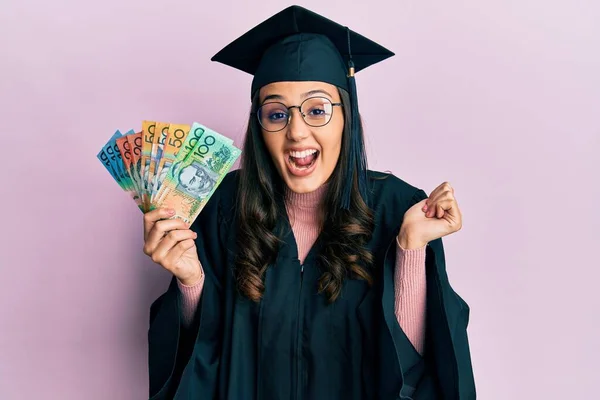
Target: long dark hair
x=344, y=232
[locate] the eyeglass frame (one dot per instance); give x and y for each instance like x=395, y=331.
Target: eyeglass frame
x=299, y=107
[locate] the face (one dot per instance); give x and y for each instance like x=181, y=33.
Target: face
x=305, y=156
x=195, y=180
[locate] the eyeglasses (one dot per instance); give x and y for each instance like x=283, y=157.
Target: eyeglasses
x=316, y=111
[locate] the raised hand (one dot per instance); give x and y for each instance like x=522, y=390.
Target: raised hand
x=431, y=218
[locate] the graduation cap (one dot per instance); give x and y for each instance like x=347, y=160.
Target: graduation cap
x=297, y=44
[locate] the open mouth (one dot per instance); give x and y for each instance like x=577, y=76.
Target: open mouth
x=302, y=162
x=303, y=159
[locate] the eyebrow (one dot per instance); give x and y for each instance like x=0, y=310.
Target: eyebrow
x=273, y=97
x=304, y=95
x=317, y=91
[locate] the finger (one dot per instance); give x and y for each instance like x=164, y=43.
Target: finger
x=151, y=217
x=160, y=229
x=444, y=196
x=436, y=193
x=178, y=250
x=439, y=194
x=169, y=241
x=451, y=213
x=439, y=210
x=442, y=207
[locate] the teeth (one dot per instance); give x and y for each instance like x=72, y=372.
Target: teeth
x=302, y=154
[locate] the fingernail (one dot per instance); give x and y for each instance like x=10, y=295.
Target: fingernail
x=170, y=211
x=425, y=207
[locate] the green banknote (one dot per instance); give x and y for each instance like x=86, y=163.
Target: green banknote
x=197, y=172
x=197, y=134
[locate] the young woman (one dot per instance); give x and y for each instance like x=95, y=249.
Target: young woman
x=307, y=276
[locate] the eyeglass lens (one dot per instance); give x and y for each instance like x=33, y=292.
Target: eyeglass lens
x=316, y=111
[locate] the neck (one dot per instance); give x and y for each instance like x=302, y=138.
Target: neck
x=308, y=200
x=305, y=217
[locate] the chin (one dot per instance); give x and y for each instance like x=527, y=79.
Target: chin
x=304, y=185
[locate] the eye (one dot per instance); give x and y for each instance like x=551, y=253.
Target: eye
x=277, y=116
x=316, y=112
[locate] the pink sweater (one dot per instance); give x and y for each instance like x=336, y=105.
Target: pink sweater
x=409, y=275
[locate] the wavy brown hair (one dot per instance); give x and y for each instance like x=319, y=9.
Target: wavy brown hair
x=260, y=194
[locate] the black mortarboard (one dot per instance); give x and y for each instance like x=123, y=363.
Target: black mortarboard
x=297, y=44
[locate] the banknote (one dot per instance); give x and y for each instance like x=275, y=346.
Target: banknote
x=110, y=156
x=173, y=141
x=191, y=138
x=106, y=161
x=127, y=155
x=171, y=165
x=158, y=144
x=148, y=131
x=115, y=161
x=135, y=141
x=193, y=178
x=196, y=133
x=125, y=150
x=158, y=129
x=118, y=157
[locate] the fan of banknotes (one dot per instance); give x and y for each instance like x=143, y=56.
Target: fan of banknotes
x=169, y=165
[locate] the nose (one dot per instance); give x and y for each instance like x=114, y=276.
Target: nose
x=297, y=129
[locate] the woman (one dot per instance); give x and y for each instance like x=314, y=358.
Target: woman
x=307, y=276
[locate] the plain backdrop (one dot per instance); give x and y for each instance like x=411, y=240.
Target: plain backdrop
x=499, y=98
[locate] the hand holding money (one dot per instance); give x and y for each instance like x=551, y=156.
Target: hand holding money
x=170, y=171
x=170, y=243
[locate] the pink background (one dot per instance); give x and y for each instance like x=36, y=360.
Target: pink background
x=500, y=98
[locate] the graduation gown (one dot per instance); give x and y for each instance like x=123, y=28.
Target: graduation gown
x=293, y=345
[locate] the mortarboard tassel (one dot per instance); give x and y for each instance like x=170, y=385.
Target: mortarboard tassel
x=357, y=160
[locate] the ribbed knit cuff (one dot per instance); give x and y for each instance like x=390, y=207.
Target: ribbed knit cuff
x=412, y=259
x=190, y=297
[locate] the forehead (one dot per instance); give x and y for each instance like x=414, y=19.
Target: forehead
x=189, y=170
x=296, y=91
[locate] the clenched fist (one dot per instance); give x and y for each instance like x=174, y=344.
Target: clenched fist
x=431, y=218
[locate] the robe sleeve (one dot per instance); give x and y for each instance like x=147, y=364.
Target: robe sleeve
x=171, y=343
x=446, y=344
x=444, y=369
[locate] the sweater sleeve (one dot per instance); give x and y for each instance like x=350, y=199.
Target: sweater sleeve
x=411, y=294
x=190, y=297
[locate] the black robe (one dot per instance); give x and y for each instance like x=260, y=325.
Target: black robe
x=293, y=345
